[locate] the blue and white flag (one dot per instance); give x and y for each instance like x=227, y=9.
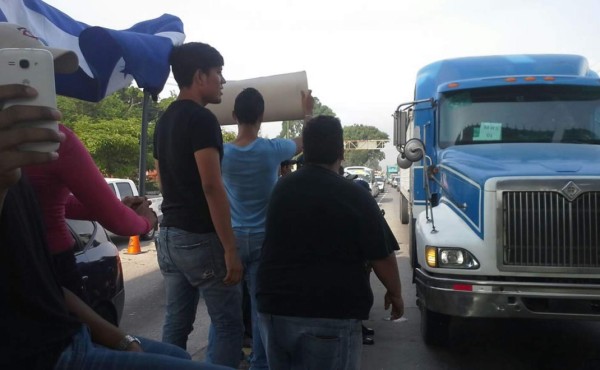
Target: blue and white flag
x=108, y=59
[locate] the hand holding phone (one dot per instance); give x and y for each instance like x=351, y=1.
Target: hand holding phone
x=35, y=68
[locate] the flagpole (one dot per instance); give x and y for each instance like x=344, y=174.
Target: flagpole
x=144, y=144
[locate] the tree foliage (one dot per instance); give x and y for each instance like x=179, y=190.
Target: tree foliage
x=368, y=158
x=293, y=129
x=111, y=129
x=114, y=144
x=228, y=136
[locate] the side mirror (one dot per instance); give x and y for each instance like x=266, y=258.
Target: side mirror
x=414, y=150
x=403, y=162
x=400, y=126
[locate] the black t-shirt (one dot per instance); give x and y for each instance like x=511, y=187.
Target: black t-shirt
x=185, y=128
x=35, y=324
x=321, y=230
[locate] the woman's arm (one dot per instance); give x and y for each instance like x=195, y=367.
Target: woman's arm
x=92, y=197
x=103, y=332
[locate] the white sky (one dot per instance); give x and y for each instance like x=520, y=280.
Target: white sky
x=361, y=56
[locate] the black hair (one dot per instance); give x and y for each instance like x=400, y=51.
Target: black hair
x=323, y=140
x=249, y=106
x=186, y=59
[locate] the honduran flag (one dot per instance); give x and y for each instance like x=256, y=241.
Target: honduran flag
x=108, y=59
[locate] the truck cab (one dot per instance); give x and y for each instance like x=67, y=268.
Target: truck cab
x=501, y=157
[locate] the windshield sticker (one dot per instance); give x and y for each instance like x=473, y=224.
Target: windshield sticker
x=597, y=116
x=488, y=131
x=460, y=100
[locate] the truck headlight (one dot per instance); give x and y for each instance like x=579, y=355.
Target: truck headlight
x=455, y=258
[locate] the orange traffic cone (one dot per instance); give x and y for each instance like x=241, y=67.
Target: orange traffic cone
x=134, y=245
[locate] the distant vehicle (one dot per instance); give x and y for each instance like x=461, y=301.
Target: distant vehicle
x=366, y=174
x=125, y=187
x=380, y=183
x=100, y=265
x=395, y=181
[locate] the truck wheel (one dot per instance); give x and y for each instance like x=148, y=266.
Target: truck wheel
x=149, y=235
x=403, y=210
x=435, y=327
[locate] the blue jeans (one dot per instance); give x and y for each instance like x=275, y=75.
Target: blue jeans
x=194, y=264
x=311, y=343
x=83, y=354
x=249, y=246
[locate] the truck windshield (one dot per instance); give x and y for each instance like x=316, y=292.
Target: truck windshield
x=520, y=114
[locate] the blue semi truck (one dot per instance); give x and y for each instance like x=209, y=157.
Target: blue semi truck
x=500, y=161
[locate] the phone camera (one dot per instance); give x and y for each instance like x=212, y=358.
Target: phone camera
x=24, y=63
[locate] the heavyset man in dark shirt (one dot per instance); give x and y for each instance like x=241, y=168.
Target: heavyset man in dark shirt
x=313, y=285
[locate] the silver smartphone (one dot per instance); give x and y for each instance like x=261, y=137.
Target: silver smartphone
x=35, y=68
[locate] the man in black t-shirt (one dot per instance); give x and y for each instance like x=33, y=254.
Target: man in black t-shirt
x=196, y=246
x=313, y=287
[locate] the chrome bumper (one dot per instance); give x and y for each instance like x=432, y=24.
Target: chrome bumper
x=501, y=299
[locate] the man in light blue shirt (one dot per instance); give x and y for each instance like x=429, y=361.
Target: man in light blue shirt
x=250, y=170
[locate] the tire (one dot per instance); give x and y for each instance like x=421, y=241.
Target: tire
x=435, y=327
x=149, y=235
x=403, y=210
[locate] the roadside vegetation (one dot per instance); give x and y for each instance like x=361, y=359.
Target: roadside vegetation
x=110, y=130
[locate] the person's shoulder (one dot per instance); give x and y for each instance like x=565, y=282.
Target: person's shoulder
x=355, y=190
x=275, y=143
x=280, y=140
x=71, y=142
x=191, y=108
x=196, y=114
x=229, y=150
x=207, y=116
x=66, y=131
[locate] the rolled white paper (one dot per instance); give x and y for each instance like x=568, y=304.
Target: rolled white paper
x=282, y=95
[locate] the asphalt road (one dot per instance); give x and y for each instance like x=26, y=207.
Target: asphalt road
x=475, y=344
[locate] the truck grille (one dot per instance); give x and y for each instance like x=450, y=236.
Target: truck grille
x=544, y=228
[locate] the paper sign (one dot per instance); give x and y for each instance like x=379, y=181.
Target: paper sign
x=282, y=95
x=488, y=131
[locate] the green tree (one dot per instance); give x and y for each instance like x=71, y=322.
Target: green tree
x=124, y=104
x=111, y=129
x=369, y=158
x=228, y=136
x=292, y=129
x=114, y=144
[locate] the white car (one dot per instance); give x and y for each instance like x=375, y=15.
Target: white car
x=126, y=187
x=380, y=183
x=366, y=174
